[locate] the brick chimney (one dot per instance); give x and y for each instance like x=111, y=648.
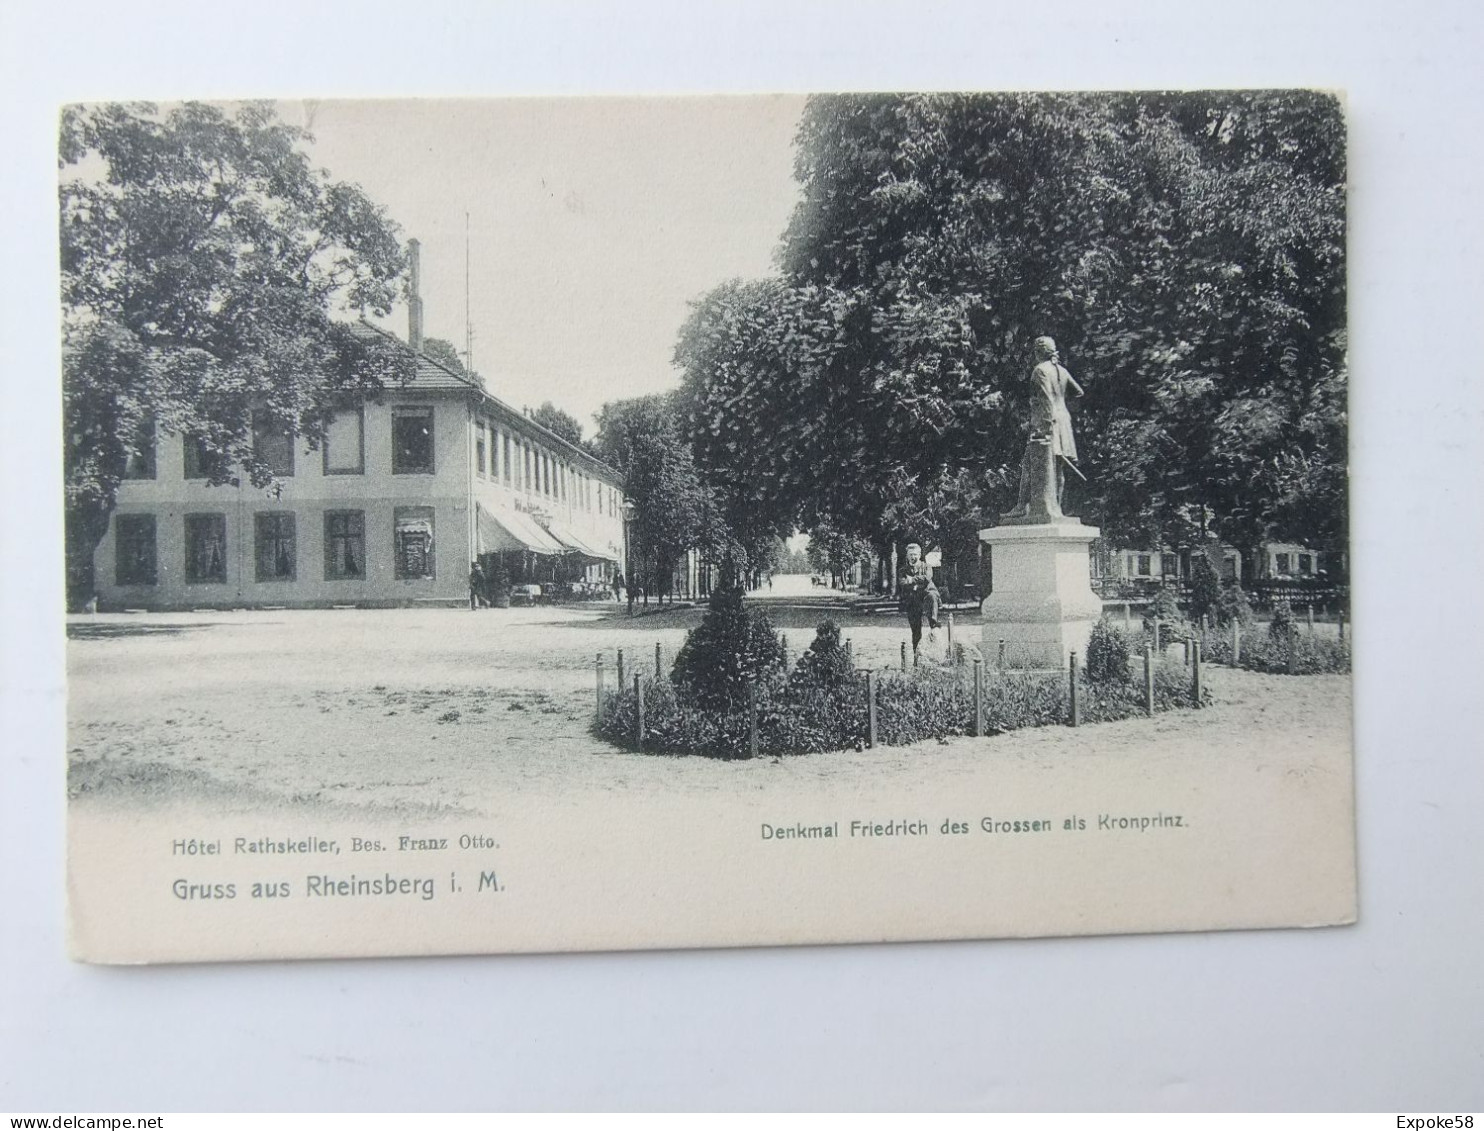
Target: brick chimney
x=414, y=298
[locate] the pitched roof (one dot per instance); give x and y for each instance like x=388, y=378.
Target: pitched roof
x=434, y=376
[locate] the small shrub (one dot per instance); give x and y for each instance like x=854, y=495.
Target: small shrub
x=825, y=664
x=1282, y=622
x=1165, y=608
x=1310, y=655
x=1108, y=651
x=731, y=648
x=1233, y=606
x=822, y=705
x=1205, y=589
x=932, y=703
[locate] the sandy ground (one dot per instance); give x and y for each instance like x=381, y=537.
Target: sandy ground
x=443, y=710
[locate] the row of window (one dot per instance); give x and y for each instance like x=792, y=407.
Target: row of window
x=275, y=546
x=344, y=447
x=508, y=459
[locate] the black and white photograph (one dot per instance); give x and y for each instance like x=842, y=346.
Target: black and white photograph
x=549, y=524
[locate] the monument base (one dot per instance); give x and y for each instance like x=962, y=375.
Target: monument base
x=1042, y=604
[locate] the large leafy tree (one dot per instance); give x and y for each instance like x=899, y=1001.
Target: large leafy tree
x=1186, y=251
x=564, y=424
x=673, y=511
x=204, y=261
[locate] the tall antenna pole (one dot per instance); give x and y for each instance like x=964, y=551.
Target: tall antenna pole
x=468, y=322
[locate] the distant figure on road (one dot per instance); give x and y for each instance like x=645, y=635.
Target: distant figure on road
x=919, y=595
x=618, y=587
x=478, y=587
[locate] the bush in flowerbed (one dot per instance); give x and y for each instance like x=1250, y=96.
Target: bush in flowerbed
x=1110, y=700
x=821, y=705
x=1013, y=700
x=1312, y=655
x=731, y=648
x=1165, y=608
x=929, y=702
x=825, y=664
x=1108, y=650
x=1282, y=623
x=1233, y=606
x=1205, y=589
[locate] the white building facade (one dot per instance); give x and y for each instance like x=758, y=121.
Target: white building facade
x=391, y=510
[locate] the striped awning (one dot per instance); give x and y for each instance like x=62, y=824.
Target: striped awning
x=511, y=530
x=575, y=543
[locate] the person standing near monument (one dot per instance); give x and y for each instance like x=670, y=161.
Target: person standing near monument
x=1051, y=443
x=919, y=595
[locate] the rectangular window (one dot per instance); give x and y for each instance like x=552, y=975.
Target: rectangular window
x=206, y=548
x=525, y=467
x=345, y=545
x=505, y=443
x=479, y=448
x=1145, y=565
x=412, y=542
x=412, y=441
x=141, y=460
x=200, y=461
x=1280, y=563
x=134, y=549
x=273, y=443
x=1306, y=564
x=274, y=545
x=345, y=443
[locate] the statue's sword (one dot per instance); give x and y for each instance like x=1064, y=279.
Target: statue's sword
x=1071, y=467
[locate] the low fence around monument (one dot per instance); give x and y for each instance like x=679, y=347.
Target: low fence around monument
x=954, y=692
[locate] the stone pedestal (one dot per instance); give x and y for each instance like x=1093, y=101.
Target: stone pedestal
x=1042, y=604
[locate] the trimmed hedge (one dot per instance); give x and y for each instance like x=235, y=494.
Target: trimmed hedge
x=1267, y=652
x=802, y=715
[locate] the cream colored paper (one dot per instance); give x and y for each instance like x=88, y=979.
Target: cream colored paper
x=203, y=746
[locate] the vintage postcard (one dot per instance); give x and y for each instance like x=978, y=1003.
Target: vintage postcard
x=599, y=523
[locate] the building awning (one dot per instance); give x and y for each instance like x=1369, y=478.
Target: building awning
x=512, y=530
x=575, y=544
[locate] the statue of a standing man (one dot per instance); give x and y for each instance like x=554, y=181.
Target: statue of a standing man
x=1051, y=441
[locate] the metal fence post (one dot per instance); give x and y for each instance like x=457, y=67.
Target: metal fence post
x=871, y=709
x=599, y=668
x=1342, y=622
x=950, y=638
x=1002, y=654
x=1195, y=674
x=978, y=697
x=621, y=681
x=1075, y=714
x=658, y=663
x=1148, y=680
x=639, y=707
x=1236, y=644
x=904, y=655
x=752, y=719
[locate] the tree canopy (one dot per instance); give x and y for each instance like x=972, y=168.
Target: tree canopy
x=203, y=261
x=564, y=424
x=1185, y=250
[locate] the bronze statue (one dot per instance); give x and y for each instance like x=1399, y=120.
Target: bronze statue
x=1051, y=447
